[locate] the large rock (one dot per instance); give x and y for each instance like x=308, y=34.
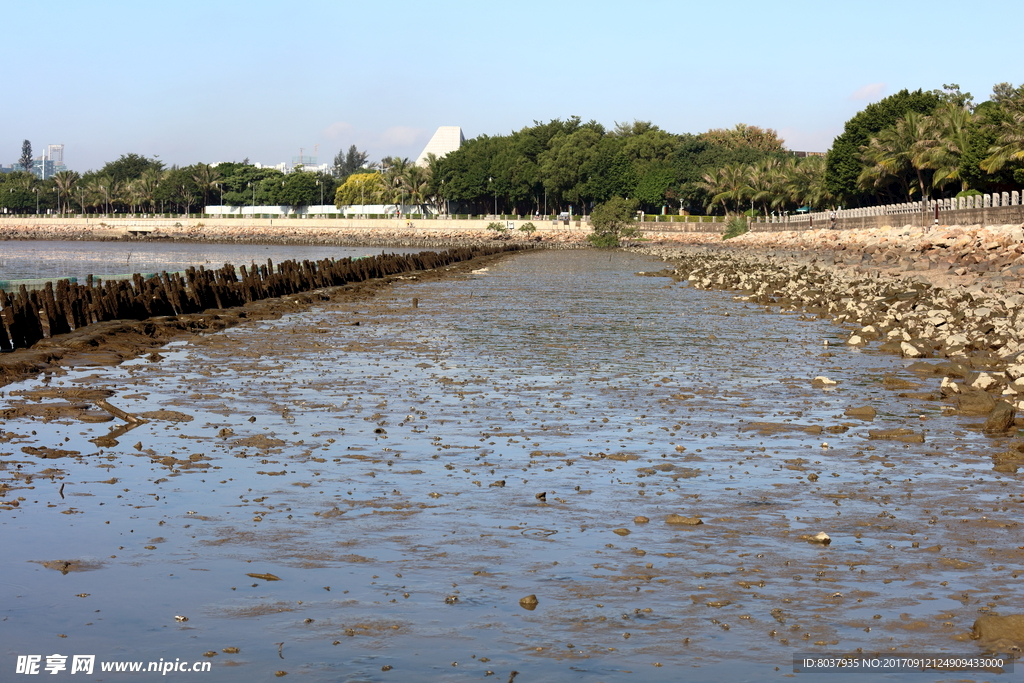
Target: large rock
x=984, y=381
x=861, y=412
x=909, y=350
x=992, y=627
x=1001, y=418
x=975, y=403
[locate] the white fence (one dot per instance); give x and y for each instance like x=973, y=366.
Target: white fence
x=982, y=201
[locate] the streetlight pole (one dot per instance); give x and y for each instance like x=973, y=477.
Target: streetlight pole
x=491, y=181
x=36, y=190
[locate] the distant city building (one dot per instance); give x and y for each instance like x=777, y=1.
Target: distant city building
x=43, y=166
x=804, y=155
x=55, y=153
x=446, y=140
x=285, y=167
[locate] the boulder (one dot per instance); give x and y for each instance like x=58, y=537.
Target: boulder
x=975, y=403
x=861, y=412
x=991, y=627
x=679, y=519
x=1001, y=418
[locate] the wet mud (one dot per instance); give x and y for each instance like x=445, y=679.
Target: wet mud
x=547, y=469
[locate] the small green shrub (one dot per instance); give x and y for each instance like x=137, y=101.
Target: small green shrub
x=528, y=228
x=497, y=227
x=734, y=228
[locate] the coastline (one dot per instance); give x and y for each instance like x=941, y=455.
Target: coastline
x=951, y=299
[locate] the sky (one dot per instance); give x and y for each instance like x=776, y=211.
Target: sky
x=223, y=80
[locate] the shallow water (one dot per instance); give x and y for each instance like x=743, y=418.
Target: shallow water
x=57, y=259
x=365, y=484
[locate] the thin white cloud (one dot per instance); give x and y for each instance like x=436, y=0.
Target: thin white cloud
x=338, y=129
x=869, y=91
x=402, y=136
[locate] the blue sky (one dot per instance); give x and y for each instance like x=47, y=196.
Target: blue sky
x=223, y=80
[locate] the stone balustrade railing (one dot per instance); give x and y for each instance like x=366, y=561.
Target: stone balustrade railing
x=981, y=201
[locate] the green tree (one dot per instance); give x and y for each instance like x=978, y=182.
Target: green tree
x=207, y=180
x=845, y=164
x=16, y=192
x=562, y=164
x=360, y=188
x=25, y=161
x=726, y=184
x=804, y=183
x=299, y=189
x=394, y=176
x=347, y=163
x=65, y=182
x=953, y=131
x=901, y=152
x=742, y=136
x=1008, y=131
x=130, y=166
x=613, y=220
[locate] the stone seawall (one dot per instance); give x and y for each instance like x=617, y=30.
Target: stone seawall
x=426, y=233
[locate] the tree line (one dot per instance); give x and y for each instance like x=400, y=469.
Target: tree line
x=911, y=145
x=137, y=184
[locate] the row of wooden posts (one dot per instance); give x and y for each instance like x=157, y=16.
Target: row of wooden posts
x=29, y=316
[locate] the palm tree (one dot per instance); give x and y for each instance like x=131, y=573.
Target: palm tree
x=395, y=170
x=726, y=183
x=898, y=151
x=1009, y=145
x=66, y=182
x=951, y=135
x=417, y=184
x=146, y=185
x=207, y=178
x=805, y=183
x=763, y=180
x=101, y=191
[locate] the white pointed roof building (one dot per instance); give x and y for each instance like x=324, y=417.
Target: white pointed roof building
x=446, y=139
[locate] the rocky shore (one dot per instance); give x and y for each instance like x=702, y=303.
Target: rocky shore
x=951, y=299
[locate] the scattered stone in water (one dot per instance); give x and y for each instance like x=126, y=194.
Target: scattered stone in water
x=530, y=602
x=231, y=650
x=622, y=532
x=823, y=381
x=679, y=519
x=899, y=434
x=542, y=496
x=640, y=519
x=862, y=412
x=820, y=537
x=265, y=577
x=500, y=483
x=1001, y=419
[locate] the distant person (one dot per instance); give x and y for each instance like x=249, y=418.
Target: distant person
x=832, y=220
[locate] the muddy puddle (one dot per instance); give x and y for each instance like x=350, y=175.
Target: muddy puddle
x=373, y=491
